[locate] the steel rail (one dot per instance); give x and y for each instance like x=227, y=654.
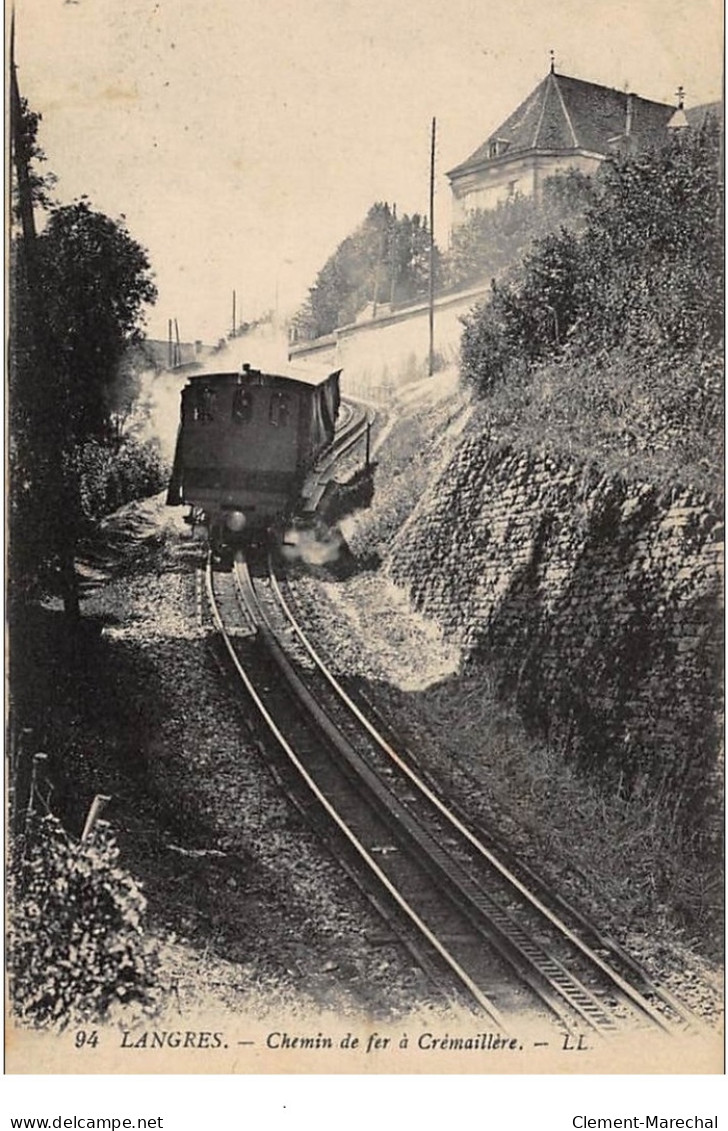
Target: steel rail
x=474, y=990
x=629, y=991
x=514, y=944
x=340, y=445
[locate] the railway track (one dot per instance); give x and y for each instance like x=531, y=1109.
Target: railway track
x=475, y=923
x=353, y=427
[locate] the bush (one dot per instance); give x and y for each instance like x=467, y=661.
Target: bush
x=76, y=948
x=646, y=271
x=111, y=475
x=492, y=241
x=614, y=335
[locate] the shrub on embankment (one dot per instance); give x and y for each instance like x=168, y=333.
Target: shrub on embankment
x=574, y=543
x=608, y=342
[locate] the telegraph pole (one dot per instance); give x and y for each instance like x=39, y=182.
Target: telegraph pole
x=21, y=159
x=431, y=367
x=393, y=258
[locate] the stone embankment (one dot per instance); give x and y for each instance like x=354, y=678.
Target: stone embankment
x=595, y=600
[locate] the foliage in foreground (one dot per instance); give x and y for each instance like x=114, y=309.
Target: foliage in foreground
x=77, y=951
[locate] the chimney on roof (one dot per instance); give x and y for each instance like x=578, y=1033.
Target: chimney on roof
x=553, y=60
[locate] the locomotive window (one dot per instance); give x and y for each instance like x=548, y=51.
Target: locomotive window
x=204, y=409
x=279, y=409
x=242, y=406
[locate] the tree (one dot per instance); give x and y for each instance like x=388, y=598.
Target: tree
x=28, y=154
x=72, y=321
x=95, y=282
x=386, y=259
x=645, y=271
x=493, y=240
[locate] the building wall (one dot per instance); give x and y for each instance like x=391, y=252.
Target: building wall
x=498, y=182
x=489, y=187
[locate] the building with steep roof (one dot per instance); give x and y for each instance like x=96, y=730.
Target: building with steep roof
x=565, y=123
x=697, y=116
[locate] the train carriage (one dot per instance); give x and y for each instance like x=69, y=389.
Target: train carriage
x=245, y=443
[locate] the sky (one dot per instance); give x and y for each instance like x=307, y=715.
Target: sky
x=244, y=139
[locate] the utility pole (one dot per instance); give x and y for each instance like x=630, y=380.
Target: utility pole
x=431, y=367
x=393, y=258
x=21, y=158
x=232, y=335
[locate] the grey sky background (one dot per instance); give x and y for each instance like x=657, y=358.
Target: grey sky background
x=244, y=139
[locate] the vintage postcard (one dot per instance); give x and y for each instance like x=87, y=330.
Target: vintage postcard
x=365, y=496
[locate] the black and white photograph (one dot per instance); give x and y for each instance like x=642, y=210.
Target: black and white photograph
x=364, y=542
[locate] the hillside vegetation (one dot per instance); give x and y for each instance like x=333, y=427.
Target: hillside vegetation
x=606, y=343
x=385, y=260
x=493, y=240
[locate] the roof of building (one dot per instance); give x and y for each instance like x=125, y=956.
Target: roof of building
x=568, y=113
x=696, y=115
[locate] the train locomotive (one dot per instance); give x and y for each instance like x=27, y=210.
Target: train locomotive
x=245, y=443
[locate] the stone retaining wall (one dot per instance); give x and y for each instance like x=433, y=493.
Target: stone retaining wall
x=596, y=601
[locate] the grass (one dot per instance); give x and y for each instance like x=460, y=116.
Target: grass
x=624, y=860
x=632, y=415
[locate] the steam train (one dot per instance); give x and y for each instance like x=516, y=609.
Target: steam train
x=245, y=443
